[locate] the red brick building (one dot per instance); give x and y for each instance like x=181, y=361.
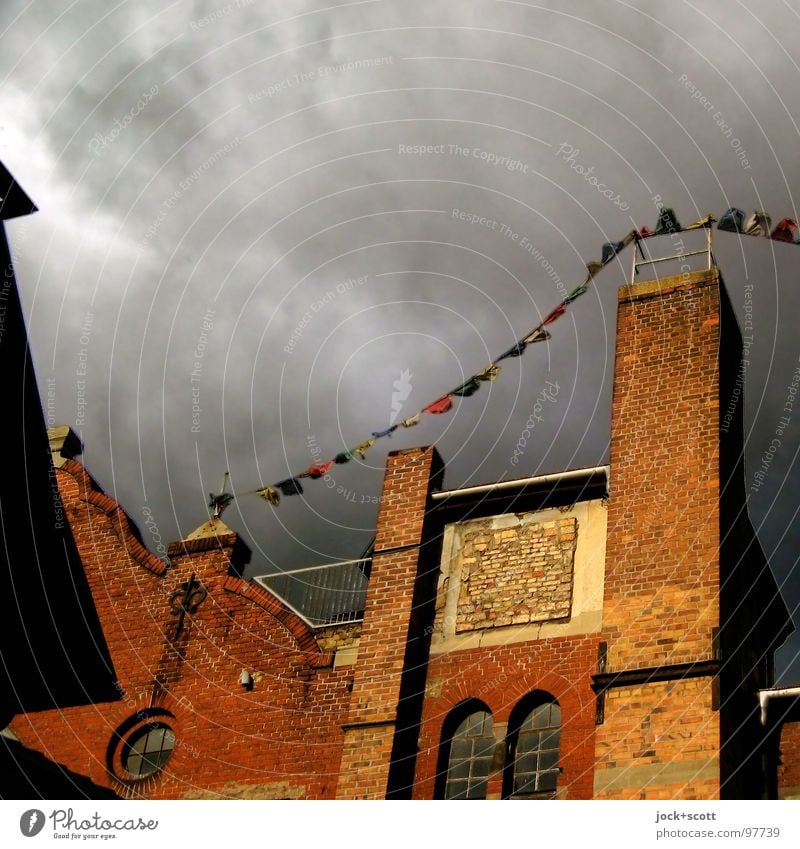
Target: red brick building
x=599, y=633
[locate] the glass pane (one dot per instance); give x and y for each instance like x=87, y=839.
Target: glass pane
x=458, y=769
x=477, y=722
x=480, y=767
x=536, y=751
x=477, y=790
x=133, y=763
x=463, y=727
x=529, y=742
x=541, y=716
x=525, y=784
x=149, y=750
x=527, y=763
x=527, y=724
x=549, y=740
x=153, y=740
x=460, y=749
x=137, y=746
x=548, y=759
x=484, y=747
x=547, y=780
x=456, y=790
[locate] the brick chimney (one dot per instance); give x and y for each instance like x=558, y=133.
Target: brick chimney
x=660, y=731
x=389, y=634
x=685, y=637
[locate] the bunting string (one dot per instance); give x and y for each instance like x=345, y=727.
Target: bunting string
x=733, y=220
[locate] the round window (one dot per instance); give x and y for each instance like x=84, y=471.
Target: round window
x=147, y=749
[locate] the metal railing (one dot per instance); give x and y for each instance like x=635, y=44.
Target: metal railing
x=639, y=244
x=323, y=595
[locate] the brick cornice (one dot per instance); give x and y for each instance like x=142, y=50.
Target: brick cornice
x=92, y=494
x=667, y=286
x=191, y=546
x=290, y=620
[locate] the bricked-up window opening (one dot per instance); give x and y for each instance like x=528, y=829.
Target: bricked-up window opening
x=532, y=766
x=148, y=749
x=470, y=750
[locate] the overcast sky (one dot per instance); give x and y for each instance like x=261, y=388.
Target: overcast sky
x=252, y=209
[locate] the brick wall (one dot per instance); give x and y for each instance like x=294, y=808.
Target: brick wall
x=659, y=741
x=661, y=601
x=789, y=769
x=516, y=572
x=500, y=676
x=281, y=739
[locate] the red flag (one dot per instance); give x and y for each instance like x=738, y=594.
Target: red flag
x=556, y=313
x=441, y=406
x=784, y=231
x=320, y=470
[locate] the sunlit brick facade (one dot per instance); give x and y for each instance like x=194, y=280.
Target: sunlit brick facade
x=589, y=634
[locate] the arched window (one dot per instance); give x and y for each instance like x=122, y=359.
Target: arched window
x=466, y=752
x=534, y=730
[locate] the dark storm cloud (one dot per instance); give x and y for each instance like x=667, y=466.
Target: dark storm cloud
x=271, y=165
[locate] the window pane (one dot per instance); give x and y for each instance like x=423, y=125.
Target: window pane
x=529, y=742
x=148, y=749
x=476, y=722
x=484, y=747
x=458, y=769
x=535, y=756
x=548, y=759
x=470, y=759
x=541, y=716
x=480, y=767
x=525, y=784
x=460, y=749
x=547, y=780
x=456, y=790
x=477, y=789
x=527, y=763
x=549, y=740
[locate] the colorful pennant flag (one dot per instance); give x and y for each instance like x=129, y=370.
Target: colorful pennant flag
x=758, y=224
x=291, y=486
x=784, y=230
x=610, y=250
x=319, y=470
x=667, y=222
x=516, y=350
x=269, y=494
x=538, y=334
x=701, y=223
x=362, y=449
x=441, y=405
x=555, y=314
x=575, y=294
x=593, y=267
x=732, y=220
x=489, y=373
x=467, y=388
